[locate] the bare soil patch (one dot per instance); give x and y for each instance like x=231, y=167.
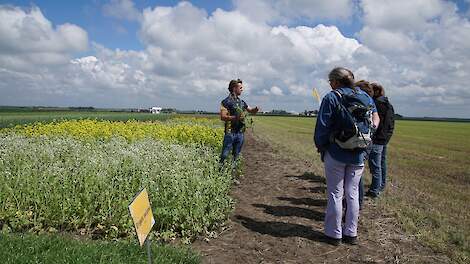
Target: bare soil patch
x=278, y=218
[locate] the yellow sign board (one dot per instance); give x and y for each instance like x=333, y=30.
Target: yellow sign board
x=142, y=215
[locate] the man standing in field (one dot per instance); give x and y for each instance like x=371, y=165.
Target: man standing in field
x=232, y=112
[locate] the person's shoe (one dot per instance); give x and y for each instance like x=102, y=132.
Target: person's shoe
x=371, y=195
x=350, y=240
x=332, y=241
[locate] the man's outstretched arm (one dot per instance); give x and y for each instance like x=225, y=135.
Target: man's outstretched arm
x=252, y=110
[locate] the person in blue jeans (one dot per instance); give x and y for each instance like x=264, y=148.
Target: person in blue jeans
x=366, y=87
x=232, y=112
x=378, y=152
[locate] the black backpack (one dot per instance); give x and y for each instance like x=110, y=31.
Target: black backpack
x=354, y=119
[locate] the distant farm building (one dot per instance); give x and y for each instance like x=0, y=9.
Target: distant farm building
x=155, y=110
x=311, y=113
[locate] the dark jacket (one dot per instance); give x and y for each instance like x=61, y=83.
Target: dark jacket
x=387, y=121
x=234, y=106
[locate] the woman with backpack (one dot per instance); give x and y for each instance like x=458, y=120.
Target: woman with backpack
x=338, y=131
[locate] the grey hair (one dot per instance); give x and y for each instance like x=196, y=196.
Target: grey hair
x=343, y=76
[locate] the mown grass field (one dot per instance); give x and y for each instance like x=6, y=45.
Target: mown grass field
x=72, y=175
x=429, y=176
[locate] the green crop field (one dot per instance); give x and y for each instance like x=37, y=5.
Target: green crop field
x=429, y=176
x=73, y=174
x=10, y=118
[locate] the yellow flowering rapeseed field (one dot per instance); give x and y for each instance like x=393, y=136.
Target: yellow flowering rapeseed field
x=180, y=131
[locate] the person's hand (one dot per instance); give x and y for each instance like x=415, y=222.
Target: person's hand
x=373, y=129
x=255, y=110
x=322, y=154
x=239, y=117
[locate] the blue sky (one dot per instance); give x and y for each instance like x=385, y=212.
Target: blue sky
x=123, y=53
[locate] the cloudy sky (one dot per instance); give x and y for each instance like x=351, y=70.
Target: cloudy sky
x=182, y=54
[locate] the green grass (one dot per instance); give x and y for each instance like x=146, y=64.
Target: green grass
x=30, y=248
x=9, y=119
x=429, y=176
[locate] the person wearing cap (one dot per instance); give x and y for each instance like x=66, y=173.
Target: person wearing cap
x=232, y=112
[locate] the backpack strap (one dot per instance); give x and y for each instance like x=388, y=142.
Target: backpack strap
x=339, y=95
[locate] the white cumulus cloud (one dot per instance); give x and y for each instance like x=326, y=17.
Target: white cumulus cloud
x=286, y=11
x=276, y=91
x=425, y=52
x=29, y=39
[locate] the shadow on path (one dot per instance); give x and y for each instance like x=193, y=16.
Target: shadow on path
x=280, y=229
x=309, y=176
x=316, y=189
x=304, y=201
x=291, y=211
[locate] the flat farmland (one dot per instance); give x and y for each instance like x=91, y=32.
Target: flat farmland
x=9, y=118
x=68, y=175
x=428, y=176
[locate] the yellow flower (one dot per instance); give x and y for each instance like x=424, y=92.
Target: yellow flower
x=182, y=130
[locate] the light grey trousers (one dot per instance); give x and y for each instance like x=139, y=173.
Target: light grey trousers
x=341, y=180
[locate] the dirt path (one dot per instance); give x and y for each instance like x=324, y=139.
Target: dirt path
x=278, y=218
